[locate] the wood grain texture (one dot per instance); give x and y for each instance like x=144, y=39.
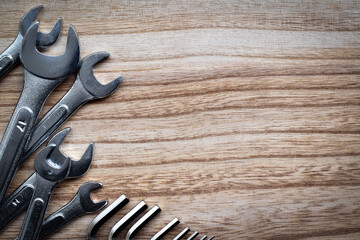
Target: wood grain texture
x=241, y=118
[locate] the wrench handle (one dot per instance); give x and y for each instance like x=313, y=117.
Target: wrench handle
x=61, y=217
x=37, y=208
x=6, y=64
x=17, y=202
x=10, y=57
x=21, y=124
x=18, y=131
x=57, y=116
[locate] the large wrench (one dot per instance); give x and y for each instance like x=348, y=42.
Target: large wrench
x=19, y=200
x=10, y=57
x=41, y=75
x=85, y=88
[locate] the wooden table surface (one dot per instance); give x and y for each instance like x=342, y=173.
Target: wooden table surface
x=241, y=118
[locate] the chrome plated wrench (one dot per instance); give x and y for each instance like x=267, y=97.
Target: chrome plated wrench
x=41, y=75
x=10, y=57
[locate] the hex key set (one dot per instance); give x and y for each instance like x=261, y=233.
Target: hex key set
x=25, y=134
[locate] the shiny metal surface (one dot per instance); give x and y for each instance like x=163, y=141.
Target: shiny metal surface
x=105, y=215
x=81, y=92
x=142, y=222
x=126, y=220
x=19, y=200
x=166, y=229
x=182, y=234
x=79, y=205
x=35, y=92
x=9, y=58
x=49, y=174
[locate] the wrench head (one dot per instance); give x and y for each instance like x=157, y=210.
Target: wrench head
x=43, y=40
x=88, y=80
x=49, y=67
x=49, y=168
x=78, y=168
x=85, y=199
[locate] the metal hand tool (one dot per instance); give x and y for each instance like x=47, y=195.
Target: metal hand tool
x=126, y=220
x=142, y=222
x=19, y=200
x=193, y=235
x=49, y=174
x=203, y=238
x=166, y=229
x=182, y=233
x=10, y=57
x=85, y=88
x=212, y=237
x=41, y=75
x=78, y=206
x=105, y=215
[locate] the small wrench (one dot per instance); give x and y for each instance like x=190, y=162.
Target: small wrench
x=41, y=75
x=10, y=57
x=78, y=206
x=19, y=200
x=85, y=88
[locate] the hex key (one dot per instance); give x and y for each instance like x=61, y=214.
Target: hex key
x=142, y=222
x=182, y=233
x=212, y=237
x=193, y=235
x=105, y=215
x=204, y=237
x=126, y=220
x=166, y=229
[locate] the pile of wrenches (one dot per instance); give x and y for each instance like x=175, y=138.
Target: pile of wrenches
x=25, y=133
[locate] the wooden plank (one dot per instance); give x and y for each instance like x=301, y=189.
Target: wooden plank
x=240, y=118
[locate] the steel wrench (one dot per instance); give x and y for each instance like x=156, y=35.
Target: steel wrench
x=49, y=173
x=79, y=205
x=10, y=57
x=85, y=88
x=19, y=200
x=41, y=75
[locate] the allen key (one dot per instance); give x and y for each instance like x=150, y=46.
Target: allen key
x=142, y=222
x=182, y=233
x=105, y=215
x=204, y=237
x=212, y=237
x=126, y=220
x=193, y=235
x=166, y=229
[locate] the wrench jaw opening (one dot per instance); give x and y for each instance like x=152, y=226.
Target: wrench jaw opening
x=85, y=199
x=78, y=168
x=43, y=40
x=58, y=67
x=50, y=169
x=89, y=82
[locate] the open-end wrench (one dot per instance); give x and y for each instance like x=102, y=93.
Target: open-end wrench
x=78, y=206
x=19, y=200
x=41, y=75
x=10, y=57
x=49, y=174
x=85, y=88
